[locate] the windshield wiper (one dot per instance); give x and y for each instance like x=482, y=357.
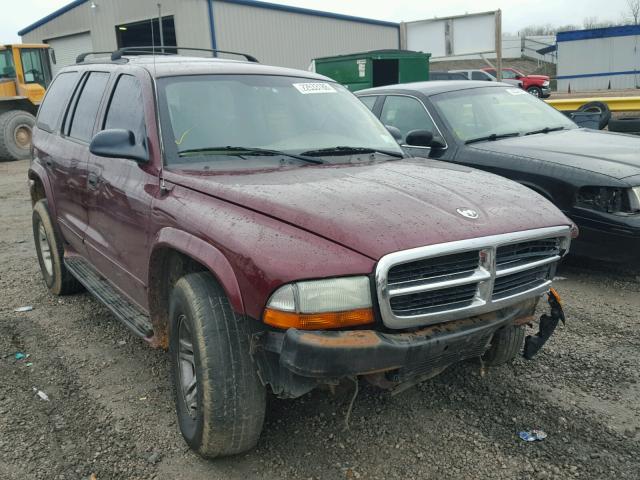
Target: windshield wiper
x=341, y=150
x=492, y=137
x=545, y=130
x=246, y=151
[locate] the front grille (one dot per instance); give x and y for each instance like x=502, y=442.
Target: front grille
x=426, y=302
x=464, y=263
x=520, y=282
x=516, y=254
x=444, y=282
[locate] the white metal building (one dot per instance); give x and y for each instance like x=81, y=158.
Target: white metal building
x=599, y=59
x=275, y=34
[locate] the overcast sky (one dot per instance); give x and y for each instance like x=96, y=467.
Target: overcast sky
x=516, y=13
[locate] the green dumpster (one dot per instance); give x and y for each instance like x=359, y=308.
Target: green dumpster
x=358, y=71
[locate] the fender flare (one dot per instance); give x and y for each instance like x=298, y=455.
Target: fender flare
x=37, y=171
x=204, y=253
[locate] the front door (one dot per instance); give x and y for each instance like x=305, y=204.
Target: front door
x=119, y=198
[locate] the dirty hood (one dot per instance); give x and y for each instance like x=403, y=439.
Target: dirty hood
x=378, y=208
x=610, y=154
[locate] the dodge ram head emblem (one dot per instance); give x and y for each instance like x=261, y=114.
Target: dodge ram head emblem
x=468, y=213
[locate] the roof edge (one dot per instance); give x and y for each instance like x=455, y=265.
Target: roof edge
x=249, y=3
x=309, y=11
x=607, y=32
x=51, y=16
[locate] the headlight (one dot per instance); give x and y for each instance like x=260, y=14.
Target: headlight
x=609, y=199
x=320, y=304
x=545, y=83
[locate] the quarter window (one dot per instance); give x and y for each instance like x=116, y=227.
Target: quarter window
x=54, y=103
x=406, y=114
x=369, y=101
x=86, y=108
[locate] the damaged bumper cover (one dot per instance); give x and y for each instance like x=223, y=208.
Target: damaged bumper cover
x=312, y=357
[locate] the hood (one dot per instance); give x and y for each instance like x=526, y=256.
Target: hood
x=537, y=77
x=379, y=208
x=609, y=154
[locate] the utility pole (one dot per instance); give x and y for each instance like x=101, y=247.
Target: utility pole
x=499, y=45
x=160, y=25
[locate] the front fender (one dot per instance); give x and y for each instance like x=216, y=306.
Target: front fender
x=205, y=254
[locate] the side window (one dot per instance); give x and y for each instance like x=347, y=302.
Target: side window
x=86, y=108
x=479, y=76
x=35, y=66
x=406, y=114
x=126, y=109
x=508, y=74
x=492, y=72
x=369, y=101
x=55, y=101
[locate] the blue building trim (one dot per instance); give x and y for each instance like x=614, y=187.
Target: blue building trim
x=51, y=16
x=212, y=26
x=249, y=3
x=602, y=74
x=621, y=31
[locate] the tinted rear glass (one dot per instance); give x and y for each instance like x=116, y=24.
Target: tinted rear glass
x=56, y=100
x=86, y=109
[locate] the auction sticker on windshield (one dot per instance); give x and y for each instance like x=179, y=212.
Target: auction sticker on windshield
x=516, y=91
x=316, y=87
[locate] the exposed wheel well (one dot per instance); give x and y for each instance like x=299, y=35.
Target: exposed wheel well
x=20, y=104
x=36, y=188
x=167, y=266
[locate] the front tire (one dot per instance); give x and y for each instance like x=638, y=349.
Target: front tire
x=50, y=251
x=220, y=400
x=535, y=91
x=505, y=345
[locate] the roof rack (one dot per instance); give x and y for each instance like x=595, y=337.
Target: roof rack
x=158, y=50
x=162, y=50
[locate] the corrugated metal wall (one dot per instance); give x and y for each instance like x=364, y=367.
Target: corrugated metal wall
x=595, y=58
x=292, y=39
x=274, y=36
x=190, y=17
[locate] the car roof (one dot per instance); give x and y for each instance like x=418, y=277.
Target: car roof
x=435, y=87
x=174, y=65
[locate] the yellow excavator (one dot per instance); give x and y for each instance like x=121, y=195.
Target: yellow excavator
x=25, y=74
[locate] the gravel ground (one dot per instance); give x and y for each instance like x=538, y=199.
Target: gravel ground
x=110, y=413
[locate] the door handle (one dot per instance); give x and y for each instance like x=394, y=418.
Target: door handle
x=92, y=180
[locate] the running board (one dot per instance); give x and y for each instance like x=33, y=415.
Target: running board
x=128, y=313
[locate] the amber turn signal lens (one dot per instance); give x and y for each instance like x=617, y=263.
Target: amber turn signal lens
x=317, y=321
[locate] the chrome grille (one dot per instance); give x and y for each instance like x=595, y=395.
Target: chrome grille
x=455, y=280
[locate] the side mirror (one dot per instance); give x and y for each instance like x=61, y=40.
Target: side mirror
x=395, y=132
x=419, y=138
x=119, y=143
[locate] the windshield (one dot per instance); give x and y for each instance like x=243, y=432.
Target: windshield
x=494, y=112
x=259, y=121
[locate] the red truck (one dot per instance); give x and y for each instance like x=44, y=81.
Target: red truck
x=536, y=85
x=262, y=225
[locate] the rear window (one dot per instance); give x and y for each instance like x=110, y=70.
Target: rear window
x=56, y=100
x=86, y=108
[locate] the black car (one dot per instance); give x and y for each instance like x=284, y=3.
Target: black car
x=592, y=176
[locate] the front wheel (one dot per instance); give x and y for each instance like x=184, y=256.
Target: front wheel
x=15, y=134
x=535, y=91
x=220, y=400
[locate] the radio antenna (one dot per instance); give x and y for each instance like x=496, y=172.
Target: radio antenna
x=153, y=47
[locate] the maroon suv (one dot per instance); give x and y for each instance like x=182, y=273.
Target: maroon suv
x=262, y=225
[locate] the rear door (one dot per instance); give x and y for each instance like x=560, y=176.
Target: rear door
x=120, y=194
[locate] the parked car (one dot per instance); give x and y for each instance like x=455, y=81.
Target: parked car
x=592, y=176
x=536, y=85
x=263, y=225
x=446, y=76
x=482, y=75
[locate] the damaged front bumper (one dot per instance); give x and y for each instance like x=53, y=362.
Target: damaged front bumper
x=294, y=362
